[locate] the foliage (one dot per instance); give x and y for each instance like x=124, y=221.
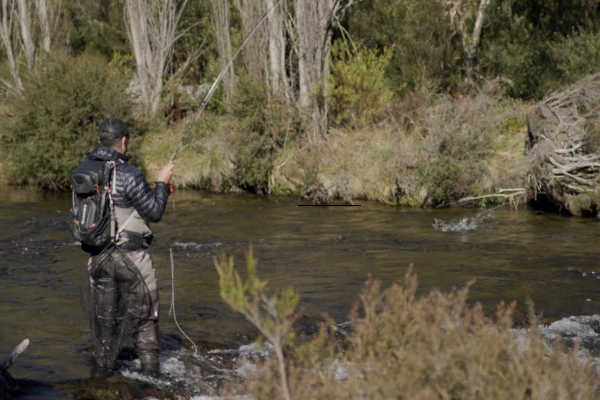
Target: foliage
x=96, y=27
x=539, y=45
x=268, y=124
x=272, y=315
x=576, y=56
x=419, y=35
x=435, y=346
x=359, y=93
x=54, y=122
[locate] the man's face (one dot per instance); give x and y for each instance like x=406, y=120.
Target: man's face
x=124, y=142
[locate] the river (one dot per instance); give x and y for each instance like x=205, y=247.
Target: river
x=325, y=253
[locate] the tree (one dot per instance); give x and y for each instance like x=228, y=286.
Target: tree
x=460, y=13
x=222, y=22
x=26, y=34
x=152, y=30
x=314, y=22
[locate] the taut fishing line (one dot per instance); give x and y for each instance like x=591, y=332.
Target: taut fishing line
x=172, y=309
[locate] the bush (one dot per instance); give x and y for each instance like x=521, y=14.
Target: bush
x=576, y=56
x=269, y=124
x=359, y=92
x=424, y=49
x=54, y=121
x=404, y=346
x=460, y=138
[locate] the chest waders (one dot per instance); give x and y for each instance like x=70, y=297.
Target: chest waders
x=124, y=294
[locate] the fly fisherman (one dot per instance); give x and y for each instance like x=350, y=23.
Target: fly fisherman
x=123, y=282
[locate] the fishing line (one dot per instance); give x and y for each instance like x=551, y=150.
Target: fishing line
x=172, y=309
x=213, y=88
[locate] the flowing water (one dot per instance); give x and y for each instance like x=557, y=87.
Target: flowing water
x=325, y=253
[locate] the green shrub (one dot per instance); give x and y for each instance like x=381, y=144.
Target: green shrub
x=576, y=55
x=359, y=92
x=268, y=124
x=54, y=121
x=424, y=49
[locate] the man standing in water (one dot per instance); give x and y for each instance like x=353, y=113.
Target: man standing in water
x=123, y=283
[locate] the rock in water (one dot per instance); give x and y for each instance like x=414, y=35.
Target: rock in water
x=564, y=148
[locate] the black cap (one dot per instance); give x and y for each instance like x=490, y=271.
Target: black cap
x=112, y=129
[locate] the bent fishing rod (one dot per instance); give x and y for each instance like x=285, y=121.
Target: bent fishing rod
x=213, y=88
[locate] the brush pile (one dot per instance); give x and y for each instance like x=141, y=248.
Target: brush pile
x=564, y=148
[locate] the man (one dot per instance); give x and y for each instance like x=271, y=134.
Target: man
x=123, y=283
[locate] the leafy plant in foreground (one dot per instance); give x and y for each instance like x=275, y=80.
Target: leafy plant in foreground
x=272, y=315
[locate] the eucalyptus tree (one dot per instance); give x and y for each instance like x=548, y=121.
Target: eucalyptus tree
x=152, y=26
x=22, y=32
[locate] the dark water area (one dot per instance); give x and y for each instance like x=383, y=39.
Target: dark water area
x=325, y=253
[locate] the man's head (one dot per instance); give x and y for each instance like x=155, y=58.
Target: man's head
x=113, y=133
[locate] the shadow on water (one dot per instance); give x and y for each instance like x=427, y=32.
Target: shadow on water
x=325, y=253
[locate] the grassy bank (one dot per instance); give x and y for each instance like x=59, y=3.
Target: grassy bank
x=429, y=153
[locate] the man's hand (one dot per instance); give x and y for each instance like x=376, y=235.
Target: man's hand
x=165, y=174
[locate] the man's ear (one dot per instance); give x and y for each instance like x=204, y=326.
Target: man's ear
x=124, y=142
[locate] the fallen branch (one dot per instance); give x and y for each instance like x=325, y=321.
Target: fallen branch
x=487, y=196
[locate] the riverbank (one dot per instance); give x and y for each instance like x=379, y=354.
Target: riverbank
x=430, y=155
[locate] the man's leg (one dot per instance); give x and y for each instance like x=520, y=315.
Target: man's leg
x=103, y=306
x=146, y=339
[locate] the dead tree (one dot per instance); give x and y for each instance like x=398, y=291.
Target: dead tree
x=564, y=147
x=152, y=29
x=222, y=23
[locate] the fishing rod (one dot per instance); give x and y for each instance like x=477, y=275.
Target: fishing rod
x=213, y=88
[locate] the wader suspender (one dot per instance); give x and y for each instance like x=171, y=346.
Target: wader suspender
x=112, y=189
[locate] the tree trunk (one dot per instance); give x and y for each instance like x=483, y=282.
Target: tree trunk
x=26, y=36
x=472, y=49
x=45, y=40
x=313, y=42
x=278, y=80
x=152, y=29
x=222, y=23
x=255, y=55
x=6, y=27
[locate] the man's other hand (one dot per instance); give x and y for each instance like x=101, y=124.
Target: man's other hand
x=165, y=174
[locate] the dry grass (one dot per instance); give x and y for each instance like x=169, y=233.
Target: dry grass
x=433, y=347
x=205, y=162
x=432, y=151
x=435, y=151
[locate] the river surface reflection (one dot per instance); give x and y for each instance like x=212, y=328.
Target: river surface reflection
x=325, y=253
